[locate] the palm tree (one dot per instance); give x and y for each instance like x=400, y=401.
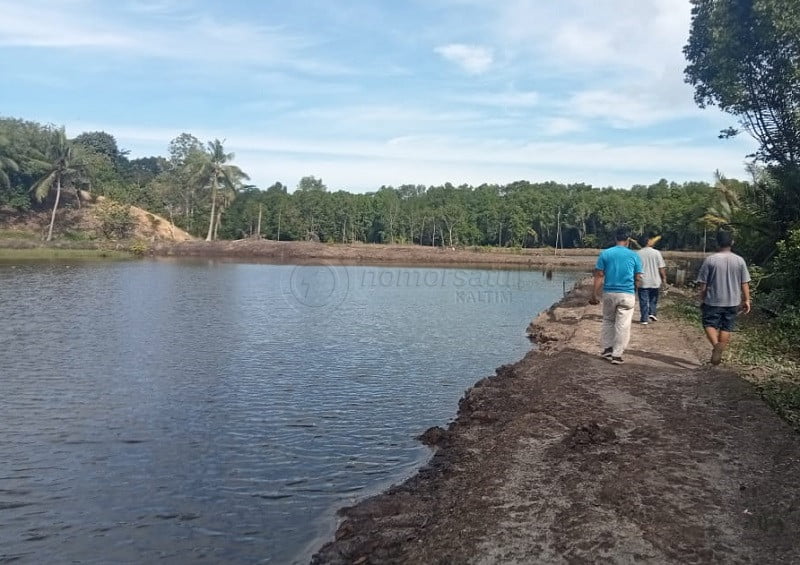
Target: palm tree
x=60, y=167
x=212, y=167
x=725, y=202
x=7, y=163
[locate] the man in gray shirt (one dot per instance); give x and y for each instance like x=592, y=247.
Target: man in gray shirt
x=655, y=275
x=724, y=285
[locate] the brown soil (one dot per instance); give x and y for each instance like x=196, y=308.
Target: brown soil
x=299, y=251
x=73, y=218
x=563, y=457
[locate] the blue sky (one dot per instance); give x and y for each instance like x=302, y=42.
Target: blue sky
x=362, y=93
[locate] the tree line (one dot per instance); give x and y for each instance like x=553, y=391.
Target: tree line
x=197, y=186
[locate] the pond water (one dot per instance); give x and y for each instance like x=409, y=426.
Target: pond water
x=201, y=411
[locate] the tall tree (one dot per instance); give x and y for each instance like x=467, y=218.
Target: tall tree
x=744, y=56
x=102, y=143
x=213, y=167
x=60, y=168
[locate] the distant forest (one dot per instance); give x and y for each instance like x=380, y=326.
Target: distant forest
x=198, y=187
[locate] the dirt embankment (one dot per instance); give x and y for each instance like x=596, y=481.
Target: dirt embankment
x=565, y=458
x=76, y=217
x=300, y=251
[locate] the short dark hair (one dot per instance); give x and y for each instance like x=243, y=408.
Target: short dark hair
x=724, y=239
x=622, y=234
x=645, y=239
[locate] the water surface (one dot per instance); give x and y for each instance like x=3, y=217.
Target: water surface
x=200, y=411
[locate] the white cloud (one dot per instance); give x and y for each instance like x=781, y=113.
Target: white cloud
x=509, y=99
x=364, y=165
x=35, y=25
x=623, y=109
x=471, y=58
x=559, y=126
x=182, y=36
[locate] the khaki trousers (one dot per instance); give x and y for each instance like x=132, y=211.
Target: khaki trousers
x=617, y=316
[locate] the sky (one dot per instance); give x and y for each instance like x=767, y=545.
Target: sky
x=365, y=93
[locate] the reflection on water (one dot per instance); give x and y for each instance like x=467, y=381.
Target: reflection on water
x=219, y=412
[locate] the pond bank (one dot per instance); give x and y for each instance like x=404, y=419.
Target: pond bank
x=565, y=457
x=304, y=251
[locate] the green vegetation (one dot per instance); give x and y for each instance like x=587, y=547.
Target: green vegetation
x=199, y=189
x=744, y=56
x=763, y=351
x=60, y=253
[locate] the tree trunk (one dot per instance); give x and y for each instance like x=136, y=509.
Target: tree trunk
x=258, y=230
x=55, y=207
x=213, y=209
x=171, y=224
x=218, y=222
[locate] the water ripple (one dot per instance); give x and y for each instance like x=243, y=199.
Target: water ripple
x=199, y=411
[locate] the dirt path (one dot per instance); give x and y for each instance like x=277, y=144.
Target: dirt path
x=565, y=458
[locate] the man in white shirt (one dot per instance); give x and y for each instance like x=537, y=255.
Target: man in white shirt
x=655, y=274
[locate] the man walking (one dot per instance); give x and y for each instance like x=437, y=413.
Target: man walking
x=655, y=274
x=724, y=285
x=616, y=275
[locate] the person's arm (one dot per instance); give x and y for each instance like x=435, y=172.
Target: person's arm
x=599, y=276
x=746, y=297
x=702, y=280
x=662, y=269
x=638, y=273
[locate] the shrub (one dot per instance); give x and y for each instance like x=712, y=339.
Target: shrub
x=139, y=248
x=787, y=266
x=116, y=220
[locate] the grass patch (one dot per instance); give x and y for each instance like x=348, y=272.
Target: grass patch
x=761, y=354
x=18, y=234
x=55, y=254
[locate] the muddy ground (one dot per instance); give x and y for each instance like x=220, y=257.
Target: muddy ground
x=301, y=251
x=565, y=458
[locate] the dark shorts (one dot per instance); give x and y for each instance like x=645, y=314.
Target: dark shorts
x=719, y=317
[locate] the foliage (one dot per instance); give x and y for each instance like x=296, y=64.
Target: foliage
x=787, y=266
x=212, y=169
x=744, y=56
x=61, y=166
x=116, y=220
x=199, y=188
x=139, y=248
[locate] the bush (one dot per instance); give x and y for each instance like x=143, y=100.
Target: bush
x=787, y=266
x=116, y=220
x=590, y=241
x=139, y=248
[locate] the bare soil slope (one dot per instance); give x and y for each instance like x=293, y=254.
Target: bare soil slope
x=72, y=218
x=565, y=458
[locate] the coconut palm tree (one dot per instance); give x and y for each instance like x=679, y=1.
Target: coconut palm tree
x=7, y=163
x=60, y=167
x=213, y=167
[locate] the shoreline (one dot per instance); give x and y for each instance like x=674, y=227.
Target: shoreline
x=556, y=457
x=679, y=263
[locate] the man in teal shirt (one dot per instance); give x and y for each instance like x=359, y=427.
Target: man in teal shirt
x=616, y=275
